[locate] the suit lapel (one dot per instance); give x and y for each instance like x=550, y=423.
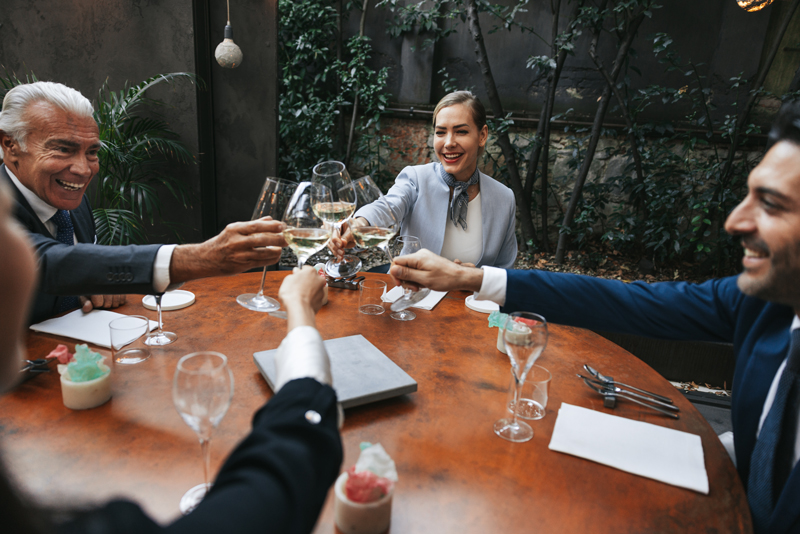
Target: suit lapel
x=23, y=210
x=786, y=512
x=83, y=222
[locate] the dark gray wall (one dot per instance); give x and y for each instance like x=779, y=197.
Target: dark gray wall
x=83, y=44
x=718, y=34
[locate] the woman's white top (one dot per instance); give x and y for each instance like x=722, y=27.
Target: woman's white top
x=465, y=245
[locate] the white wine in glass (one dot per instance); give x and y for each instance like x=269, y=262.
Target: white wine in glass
x=379, y=233
x=272, y=202
x=306, y=232
x=334, y=175
x=525, y=337
x=202, y=390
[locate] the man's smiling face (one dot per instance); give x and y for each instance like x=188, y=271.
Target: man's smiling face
x=60, y=158
x=768, y=222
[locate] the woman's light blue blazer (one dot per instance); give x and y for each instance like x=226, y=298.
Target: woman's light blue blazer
x=420, y=199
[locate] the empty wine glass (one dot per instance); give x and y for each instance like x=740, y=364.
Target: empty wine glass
x=334, y=175
x=306, y=232
x=379, y=232
x=402, y=246
x=161, y=336
x=202, y=391
x=272, y=202
x=525, y=337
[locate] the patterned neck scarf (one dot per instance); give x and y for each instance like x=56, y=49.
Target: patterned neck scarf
x=460, y=202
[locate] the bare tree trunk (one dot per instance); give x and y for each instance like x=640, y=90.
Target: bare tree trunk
x=762, y=75
x=523, y=203
x=355, y=100
x=622, y=53
x=637, y=158
x=340, y=118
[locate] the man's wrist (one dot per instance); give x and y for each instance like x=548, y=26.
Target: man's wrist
x=470, y=279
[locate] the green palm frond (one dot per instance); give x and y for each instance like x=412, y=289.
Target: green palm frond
x=117, y=227
x=133, y=153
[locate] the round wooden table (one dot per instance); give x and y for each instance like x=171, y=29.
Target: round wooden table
x=455, y=474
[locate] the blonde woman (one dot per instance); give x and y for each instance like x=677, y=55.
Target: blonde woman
x=457, y=211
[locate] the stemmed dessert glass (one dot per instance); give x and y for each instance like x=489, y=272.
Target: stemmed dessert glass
x=335, y=177
x=307, y=232
x=525, y=336
x=402, y=246
x=202, y=390
x=161, y=336
x=272, y=202
x=380, y=232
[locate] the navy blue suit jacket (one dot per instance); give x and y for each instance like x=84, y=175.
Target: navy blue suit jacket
x=712, y=311
x=82, y=269
x=275, y=481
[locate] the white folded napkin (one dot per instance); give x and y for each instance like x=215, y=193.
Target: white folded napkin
x=90, y=327
x=643, y=449
x=427, y=303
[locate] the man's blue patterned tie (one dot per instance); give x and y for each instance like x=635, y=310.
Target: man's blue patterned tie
x=771, y=462
x=65, y=235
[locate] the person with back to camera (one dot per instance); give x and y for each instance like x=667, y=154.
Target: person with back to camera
x=275, y=481
x=454, y=209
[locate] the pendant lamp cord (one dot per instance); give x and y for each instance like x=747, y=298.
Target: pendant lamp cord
x=229, y=12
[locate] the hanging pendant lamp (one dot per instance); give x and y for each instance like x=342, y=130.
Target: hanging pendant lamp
x=228, y=54
x=753, y=5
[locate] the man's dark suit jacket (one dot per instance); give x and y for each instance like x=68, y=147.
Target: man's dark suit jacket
x=82, y=269
x=712, y=311
x=275, y=482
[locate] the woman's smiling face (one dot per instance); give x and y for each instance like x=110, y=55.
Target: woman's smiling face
x=457, y=140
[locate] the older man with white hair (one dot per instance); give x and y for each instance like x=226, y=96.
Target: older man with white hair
x=49, y=144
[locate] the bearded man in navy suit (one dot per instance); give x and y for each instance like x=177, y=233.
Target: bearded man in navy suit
x=758, y=311
x=49, y=144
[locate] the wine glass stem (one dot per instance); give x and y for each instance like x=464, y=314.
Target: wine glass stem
x=517, y=391
x=385, y=249
x=158, y=307
x=263, y=278
x=204, y=445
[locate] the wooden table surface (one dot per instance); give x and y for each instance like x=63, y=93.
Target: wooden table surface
x=455, y=474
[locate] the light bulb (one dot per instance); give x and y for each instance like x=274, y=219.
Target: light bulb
x=228, y=53
x=753, y=5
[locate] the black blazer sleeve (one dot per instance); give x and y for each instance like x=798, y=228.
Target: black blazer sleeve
x=274, y=482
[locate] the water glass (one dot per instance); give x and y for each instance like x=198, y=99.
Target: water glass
x=533, y=394
x=370, y=293
x=129, y=339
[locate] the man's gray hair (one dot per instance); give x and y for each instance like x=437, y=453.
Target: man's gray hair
x=13, y=120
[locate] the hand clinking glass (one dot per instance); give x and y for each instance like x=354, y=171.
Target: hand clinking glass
x=402, y=246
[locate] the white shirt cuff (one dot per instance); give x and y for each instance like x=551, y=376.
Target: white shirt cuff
x=161, y=268
x=302, y=355
x=493, y=285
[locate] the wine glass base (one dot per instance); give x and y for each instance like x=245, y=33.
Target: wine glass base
x=252, y=301
x=131, y=356
x=511, y=431
x=404, y=315
x=192, y=498
x=161, y=338
x=349, y=266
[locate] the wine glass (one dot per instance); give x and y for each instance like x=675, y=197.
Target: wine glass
x=202, y=391
x=402, y=246
x=379, y=232
x=160, y=337
x=272, y=201
x=306, y=232
x=525, y=337
x=334, y=175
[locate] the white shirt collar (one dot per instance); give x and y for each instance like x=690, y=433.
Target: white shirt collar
x=795, y=323
x=42, y=209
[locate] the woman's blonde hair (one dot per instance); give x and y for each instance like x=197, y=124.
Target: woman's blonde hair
x=469, y=100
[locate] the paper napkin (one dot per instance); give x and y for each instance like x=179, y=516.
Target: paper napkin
x=427, y=303
x=643, y=449
x=90, y=327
